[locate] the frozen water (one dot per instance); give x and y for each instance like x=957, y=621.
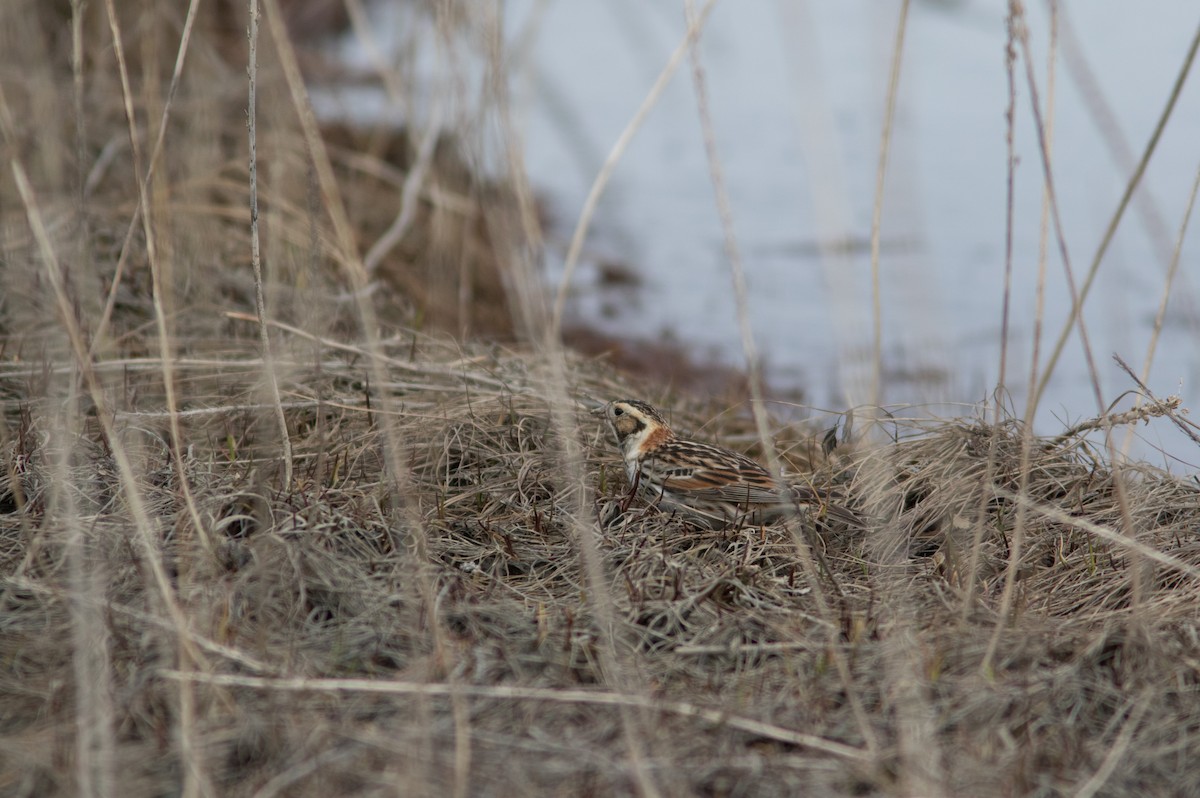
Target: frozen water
x=797, y=96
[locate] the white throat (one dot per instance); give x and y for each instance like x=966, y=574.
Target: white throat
x=631, y=446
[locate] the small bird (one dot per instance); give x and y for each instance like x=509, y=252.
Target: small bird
x=711, y=485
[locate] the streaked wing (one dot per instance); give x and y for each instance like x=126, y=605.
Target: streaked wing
x=710, y=473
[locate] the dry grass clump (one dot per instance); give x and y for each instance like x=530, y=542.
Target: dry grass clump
x=443, y=598
x=341, y=636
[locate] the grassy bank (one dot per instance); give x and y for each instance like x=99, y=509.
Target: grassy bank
x=393, y=552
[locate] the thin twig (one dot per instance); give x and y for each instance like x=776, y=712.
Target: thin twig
x=1160, y=315
x=1187, y=427
x=1104, y=533
x=260, y=303
x=376, y=354
x=885, y=140
x=1156, y=408
x=156, y=276
x=418, y=171
x=155, y=156
x=757, y=728
x=1134, y=180
x=614, y=157
x=1019, y=34
x=409, y=194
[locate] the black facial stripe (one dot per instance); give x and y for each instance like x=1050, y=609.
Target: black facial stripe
x=641, y=425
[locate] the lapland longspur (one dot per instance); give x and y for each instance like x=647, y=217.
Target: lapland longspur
x=711, y=485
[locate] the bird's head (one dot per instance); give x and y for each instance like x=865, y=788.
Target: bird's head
x=635, y=424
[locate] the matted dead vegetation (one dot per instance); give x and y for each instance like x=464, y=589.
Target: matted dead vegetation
x=453, y=594
x=335, y=648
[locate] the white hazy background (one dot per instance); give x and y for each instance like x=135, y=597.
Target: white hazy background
x=797, y=95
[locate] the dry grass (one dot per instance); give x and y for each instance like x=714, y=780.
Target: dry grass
x=416, y=613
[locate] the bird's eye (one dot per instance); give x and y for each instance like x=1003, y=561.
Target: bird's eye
x=618, y=411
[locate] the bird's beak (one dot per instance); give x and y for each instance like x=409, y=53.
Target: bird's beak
x=597, y=407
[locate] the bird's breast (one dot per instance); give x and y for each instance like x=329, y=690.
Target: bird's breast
x=632, y=466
